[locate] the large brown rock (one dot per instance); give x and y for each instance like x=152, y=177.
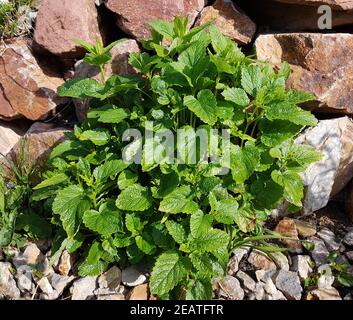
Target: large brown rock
x=272, y=15
x=334, y=4
x=230, y=21
x=133, y=15
x=34, y=148
x=321, y=63
x=58, y=23
x=26, y=88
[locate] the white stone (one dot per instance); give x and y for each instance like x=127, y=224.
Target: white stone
x=8, y=287
x=83, y=289
x=132, y=277
x=302, y=265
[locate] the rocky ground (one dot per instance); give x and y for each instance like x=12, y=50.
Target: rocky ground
x=306, y=272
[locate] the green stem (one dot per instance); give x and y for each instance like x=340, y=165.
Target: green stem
x=101, y=67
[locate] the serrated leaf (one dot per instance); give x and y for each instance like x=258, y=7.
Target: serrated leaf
x=210, y=241
x=177, y=231
x=176, y=201
x=80, y=88
x=199, y=289
x=52, y=181
x=134, y=198
x=237, y=96
x=109, y=169
x=202, y=263
x=290, y=112
x=297, y=97
x=305, y=154
x=251, y=79
x=134, y=224
x=165, y=28
x=69, y=204
x=145, y=244
x=243, y=162
x=99, y=137
x=168, y=271
x=126, y=179
x=204, y=106
x=225, y=211
x=200, y=223
x=110, y=115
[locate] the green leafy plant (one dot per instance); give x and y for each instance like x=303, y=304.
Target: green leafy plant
x=183, y=219
x=19, y=216
x=340, y=270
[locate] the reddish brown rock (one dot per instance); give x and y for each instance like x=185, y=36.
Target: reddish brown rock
x=230, y=21
x=133, y=15
x=58, y=23
x=26, y=89
x=118, y=65
x=139, y=293
x=291, y=17
x=334, y=4
x=287, y=228
x=36, y=144
x=321, y=64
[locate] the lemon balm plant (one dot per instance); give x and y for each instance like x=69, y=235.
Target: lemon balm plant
x=182, y=218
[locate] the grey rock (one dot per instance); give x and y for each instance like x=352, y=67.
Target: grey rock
x=132, y=277
x=348, y=296
x=83, y=289
x=271, y=291
x=280, y=260
x=8, y=288
x=323, y=294
x=349, y=255
x=115, y=296
x=45, y=286
x=302, y=265
x=330, y=239
x=110, y=279
x=305, y=229
x=320, y=252
x=260, y=261
x=263, y=275
x=259, y=291
x=60, y=283
x=24, y=281
x=32, y=256
x=348, y=239
x=247, y=282
x=230, y=288
x=325, y=269
x=325, y=282
x=238, y=255
x=289, y=283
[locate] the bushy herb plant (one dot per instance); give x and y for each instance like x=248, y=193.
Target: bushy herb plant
x=183, y=219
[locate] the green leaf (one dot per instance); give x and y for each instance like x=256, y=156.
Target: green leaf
x=3, y=189
x=199, y=289
x=99, y=137
x=177, y=201
x=165, y=28
x=80, y=89
x=52, y=181
x=204, y=106
x=134, y=224
x=145, y=244
x=225, y=211
x=202, y=263
x=8, y=229
x=93, y=265
x=177, y=231
x=244, y=161
x=251, y=79
x=210, y=241
x=200, y=223
x=70, y=204
x=134, y=198
x=236, y=95
x=293, y=186
x=105, y=222
x=35, y=226
x=305, y=154
x=297, y=97
x=109, y=169
x=109, y=115
x=168, y=271
x=289, y=112
x=126, y=179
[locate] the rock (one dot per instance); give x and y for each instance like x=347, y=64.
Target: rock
x=330, y=239
x=271, y=291
x=115, y=296
x=8, y=137
x=305, y=229
x=287, y=228
x=320, y=252
x=46, y=287
x=349, y=255
x=110, y=279
x=65, y=263
x=2, y=255
x=83, y=289
x=302, y=265
x=230, y=288
x=118, y=65
x=247, y=282
x=280, y=260
x=260, y=261
x=325, y=282
x=37, y=143
x=24, y=282
x=8, y=288
x=132, y=277
x=327, y=177
x=229, y=20
x=31, y=256
x=334, y=4
x=263, y=275
x=133, y=15
x=58, y=23
x=298, y=18
x=139, y=293
x=323, y=294
x=289, y=283
x=259, y=291
x=238, y=255
x=348, y=296
x=27, y=89
x=328, y=74
x=60, y=283
x=348, y=239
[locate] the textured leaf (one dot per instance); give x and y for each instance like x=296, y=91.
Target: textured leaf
x=200, y=223
x=167, y=273
x=111, y=115
x=126, y=179
x=99, y=137
x=134, y=224
x=204, y=106
x=177, y=231
x=109, y=169
x=80, y=88
x=144, y=243
x=202, y=263
x=293, y=186
x=199, y=289
x=165, y=28
x=225, y=211
x=52, y=181
x=211, y=240
x=176, y=201
x=236, y=95
x=70, y=204
x=134, y=198
x=251, y=79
